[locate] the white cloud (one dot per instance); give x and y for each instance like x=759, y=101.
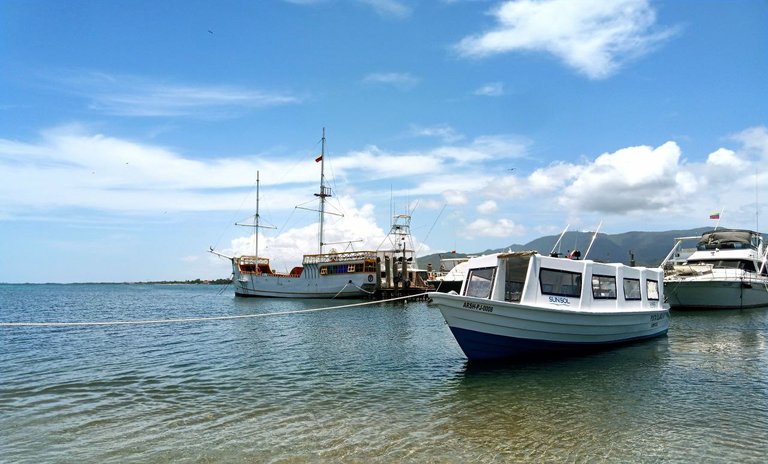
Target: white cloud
x=402, y=81
x=493, y=89
x=441, y=160
x=485, y=148
x=72, y=168
x=487, y=228
x=382, y=164
x=442, y=131
x=595, y=37
x=455, y=197
x=142, y=97
x=387, y=8
x=725, y=158
x=487, y=207
x=390, y=8
x=630, y=179
x=754, y=140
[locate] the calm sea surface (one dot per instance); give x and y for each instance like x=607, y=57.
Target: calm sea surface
x=381, y=383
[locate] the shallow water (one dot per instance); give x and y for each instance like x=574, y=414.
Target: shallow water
x=380, y=383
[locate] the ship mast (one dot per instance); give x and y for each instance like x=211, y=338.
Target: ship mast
x=324, y=192
x=256, y=218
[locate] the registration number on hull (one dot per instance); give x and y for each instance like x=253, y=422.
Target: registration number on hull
x=478, y=307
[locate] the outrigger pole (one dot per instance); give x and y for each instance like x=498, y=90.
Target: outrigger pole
x=594, y=236
x=557, y=243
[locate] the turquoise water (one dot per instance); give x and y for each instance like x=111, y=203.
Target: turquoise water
x=381, y=383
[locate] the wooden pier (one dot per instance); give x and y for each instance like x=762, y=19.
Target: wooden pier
x=393, y=284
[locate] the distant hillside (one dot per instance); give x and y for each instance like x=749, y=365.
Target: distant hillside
x=649, y=248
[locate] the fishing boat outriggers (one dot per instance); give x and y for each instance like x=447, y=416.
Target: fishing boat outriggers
x=518, y=305
x=333, y=274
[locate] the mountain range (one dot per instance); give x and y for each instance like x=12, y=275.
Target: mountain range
x=647, y=248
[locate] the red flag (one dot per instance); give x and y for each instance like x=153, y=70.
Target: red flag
x=318, y=159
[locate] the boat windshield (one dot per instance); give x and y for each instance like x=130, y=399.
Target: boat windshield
x=479, y=282
x=746, y=265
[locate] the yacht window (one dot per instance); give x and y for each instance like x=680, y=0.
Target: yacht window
x=479, y=282
x=652, y=288
x=604, y=287
x=561, y=283
x=632, y=289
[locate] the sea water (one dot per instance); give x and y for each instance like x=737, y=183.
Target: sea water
x=375, y=383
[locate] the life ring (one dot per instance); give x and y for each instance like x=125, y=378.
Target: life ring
x=370, y=277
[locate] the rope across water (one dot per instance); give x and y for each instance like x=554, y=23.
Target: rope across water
x=199, y=319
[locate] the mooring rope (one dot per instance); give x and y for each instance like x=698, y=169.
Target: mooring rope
x=200, y=319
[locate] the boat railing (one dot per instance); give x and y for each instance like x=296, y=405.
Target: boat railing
x=710, y=272
x=339, y=256
x=255, y=260
x=678, y=242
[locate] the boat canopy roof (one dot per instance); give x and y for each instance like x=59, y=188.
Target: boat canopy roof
x=518, y=254
x=727, y=239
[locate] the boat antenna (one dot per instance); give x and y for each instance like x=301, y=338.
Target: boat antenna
x=757, y=203
x=594, y=236
x=557, y=243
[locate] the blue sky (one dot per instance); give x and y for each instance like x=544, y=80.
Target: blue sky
x=131, y=132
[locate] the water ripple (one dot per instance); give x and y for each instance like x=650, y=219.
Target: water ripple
x=373, y=384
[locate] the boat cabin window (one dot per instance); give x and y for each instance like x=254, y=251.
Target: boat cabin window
x=604, y=287
x=632, y=289
x=561, y=283
x=480, y=282
x=369, y=265
x=652, y=287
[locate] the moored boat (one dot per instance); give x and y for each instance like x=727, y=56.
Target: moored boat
x=727, y=270
x=333, y=274
x=449, y=276
x=520, y=304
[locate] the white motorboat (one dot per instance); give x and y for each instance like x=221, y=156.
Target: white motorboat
x=726, y=271
x=522, y=304
x=449, y=276
x=333, y=274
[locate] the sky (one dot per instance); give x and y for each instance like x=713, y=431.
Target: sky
x=131, y=133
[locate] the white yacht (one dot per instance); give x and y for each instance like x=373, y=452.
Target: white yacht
x=727, y=270
x=449, y=275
